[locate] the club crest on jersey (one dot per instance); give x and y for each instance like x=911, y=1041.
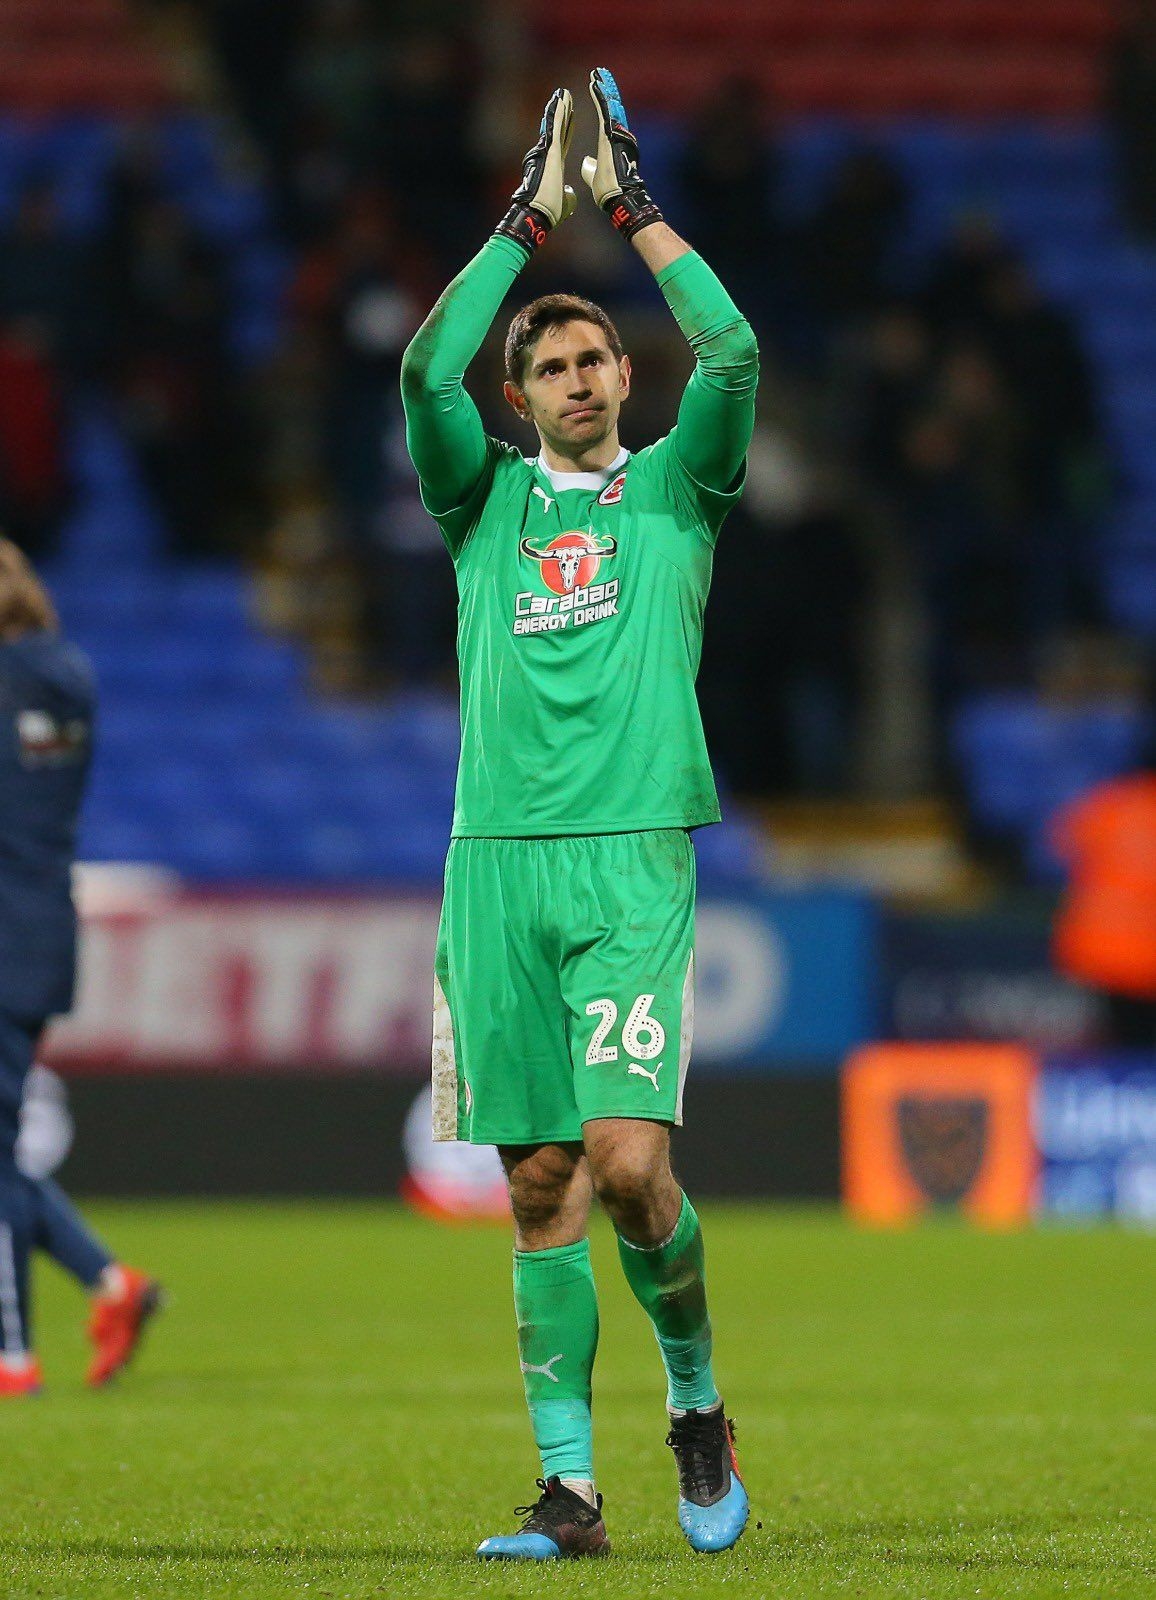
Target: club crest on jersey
x=612, y=493
x=45, y=741
x=571, y=560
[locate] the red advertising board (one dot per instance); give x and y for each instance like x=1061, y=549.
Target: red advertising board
x=176, y=979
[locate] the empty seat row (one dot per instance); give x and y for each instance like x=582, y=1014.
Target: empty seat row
x=106, y=79
x=871, y=82
x=1088, y=23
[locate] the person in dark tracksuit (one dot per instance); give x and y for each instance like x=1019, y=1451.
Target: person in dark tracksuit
x=47, y=701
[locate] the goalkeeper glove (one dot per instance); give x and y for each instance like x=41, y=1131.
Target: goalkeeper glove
x=543, y=198
x=613, y=174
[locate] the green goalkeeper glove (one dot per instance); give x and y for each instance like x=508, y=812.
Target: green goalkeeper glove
x=613, y=174
x=543, y=199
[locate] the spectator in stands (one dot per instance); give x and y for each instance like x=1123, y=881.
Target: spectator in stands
x=955, y=293
x=973, y=418
x=34, y=488
x=368, y=317
x=135, y=183
x=974, y=391
x=886, y=382
x=1105, y=930
x=958, y=545
x=780, y=679
x=847, y=246
x=1130, y=96
x=43, y=277
x=352, y=293
x=337, y=76
x=411, y=598
x=257, y=44
x=1066, y=476
x=318, y=182
x=169, y=368
x=938, y=436
x=729, y=173
x=426, y=106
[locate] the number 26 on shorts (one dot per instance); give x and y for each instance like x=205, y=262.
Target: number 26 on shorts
x=643, y=1036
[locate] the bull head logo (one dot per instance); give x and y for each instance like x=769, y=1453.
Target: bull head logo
x=943, y=1142
x=571, y=560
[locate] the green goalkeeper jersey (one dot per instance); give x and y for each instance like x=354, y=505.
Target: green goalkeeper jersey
x=581, y=595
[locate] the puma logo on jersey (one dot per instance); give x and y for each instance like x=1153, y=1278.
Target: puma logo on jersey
x=547, y=500
x=634, y=1070
x=544, y=1370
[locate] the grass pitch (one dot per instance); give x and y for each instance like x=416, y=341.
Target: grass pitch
x=331, y=1406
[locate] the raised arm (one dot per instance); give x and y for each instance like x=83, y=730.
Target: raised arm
x=443, y=430
x=444, y=433
x=717, y=414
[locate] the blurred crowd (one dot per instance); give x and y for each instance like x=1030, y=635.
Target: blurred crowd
x=928, y=430
x=138, y=311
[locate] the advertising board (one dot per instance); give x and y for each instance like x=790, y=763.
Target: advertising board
x=986, y=976
x=998, y=1133
x=325, y=983
x=1096, y=1131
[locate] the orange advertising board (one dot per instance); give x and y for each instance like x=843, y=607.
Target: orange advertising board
x=928, y=1127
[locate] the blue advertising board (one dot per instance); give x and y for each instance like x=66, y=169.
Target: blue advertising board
x=1096, y=1132
x=784, y=981
x=984, y=975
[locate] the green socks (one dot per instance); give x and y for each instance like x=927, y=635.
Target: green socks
x=557, y=1337
x=669, y=1284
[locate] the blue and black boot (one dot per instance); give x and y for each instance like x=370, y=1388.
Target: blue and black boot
x=712, y=1503
x=560, y=1524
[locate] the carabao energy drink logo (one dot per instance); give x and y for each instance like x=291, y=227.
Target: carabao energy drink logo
x=569, y=565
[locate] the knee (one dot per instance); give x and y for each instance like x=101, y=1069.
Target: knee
x=539, y=1186
x=631, y=1186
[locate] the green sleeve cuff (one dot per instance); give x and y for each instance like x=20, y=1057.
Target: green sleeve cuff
x=676, y=267
x=508, y=249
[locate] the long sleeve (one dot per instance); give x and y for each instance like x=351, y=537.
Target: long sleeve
x=444, y=432
x=717, y=415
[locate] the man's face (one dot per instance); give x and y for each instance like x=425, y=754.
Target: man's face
x=573, y=387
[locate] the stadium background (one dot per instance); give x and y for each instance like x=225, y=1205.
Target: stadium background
x=933, y=615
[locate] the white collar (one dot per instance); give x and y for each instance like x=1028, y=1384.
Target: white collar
x=583, y=480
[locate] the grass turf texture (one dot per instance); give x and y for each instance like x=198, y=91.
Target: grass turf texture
x=331, y=1407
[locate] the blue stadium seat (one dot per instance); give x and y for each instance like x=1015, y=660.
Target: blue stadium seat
x=1022, y=758
x=217, y=850
x=218, y=592
x=812, y=151
x=124, y=838
x=729, y=854
x=1121, y=341
x=1130, y=587
x=1044, y=154
x=1133, y=526
x=187, y=146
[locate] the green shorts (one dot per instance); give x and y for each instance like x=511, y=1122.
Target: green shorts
x=564, y=987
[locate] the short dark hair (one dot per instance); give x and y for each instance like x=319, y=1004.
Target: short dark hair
x=552, y=311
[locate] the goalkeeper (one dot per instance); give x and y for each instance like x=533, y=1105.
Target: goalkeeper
x=564, y=987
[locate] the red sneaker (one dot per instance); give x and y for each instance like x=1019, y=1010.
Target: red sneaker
x=24, y=1379
x=118, y=1320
